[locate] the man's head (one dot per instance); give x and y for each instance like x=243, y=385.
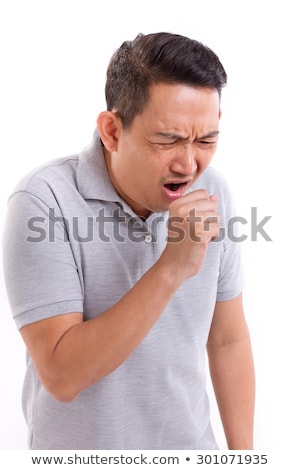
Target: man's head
x=160, y=131
x=158, y=58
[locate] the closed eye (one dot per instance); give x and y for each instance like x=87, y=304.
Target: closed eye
x=207, y=143
x=166, y=143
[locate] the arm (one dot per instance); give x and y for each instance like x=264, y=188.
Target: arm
x=71, y=354
x=232, y=372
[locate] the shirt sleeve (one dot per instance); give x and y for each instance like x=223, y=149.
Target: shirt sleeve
x=231, y=276
x=40, y=273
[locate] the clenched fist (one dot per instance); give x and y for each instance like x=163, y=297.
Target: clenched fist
x=193, y=223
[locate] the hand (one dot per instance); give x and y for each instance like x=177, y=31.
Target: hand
x=193, y=223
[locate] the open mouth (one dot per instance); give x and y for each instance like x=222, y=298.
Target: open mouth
x=174, y=190
x=174, y=186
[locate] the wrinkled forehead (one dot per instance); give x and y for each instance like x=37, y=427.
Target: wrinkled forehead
x=181, y=109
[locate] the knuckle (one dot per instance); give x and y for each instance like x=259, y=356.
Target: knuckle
x=204, y=194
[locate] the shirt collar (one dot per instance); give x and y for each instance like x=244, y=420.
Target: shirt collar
x=93, y=180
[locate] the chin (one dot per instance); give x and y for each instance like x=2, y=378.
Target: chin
x=161, y=209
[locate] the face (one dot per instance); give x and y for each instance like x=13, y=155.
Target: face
x=166, y=148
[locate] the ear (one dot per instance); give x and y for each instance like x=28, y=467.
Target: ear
x=108, y=124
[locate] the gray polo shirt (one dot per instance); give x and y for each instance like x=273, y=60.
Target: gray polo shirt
x=71, y=244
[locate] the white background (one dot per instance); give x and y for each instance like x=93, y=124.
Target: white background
x=53, y=61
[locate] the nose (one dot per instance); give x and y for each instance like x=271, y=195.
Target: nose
x=184, y=162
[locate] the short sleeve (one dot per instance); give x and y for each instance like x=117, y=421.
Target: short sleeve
x=40, y=273
x=231, y=276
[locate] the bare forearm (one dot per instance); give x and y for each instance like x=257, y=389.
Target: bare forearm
x=232, y=373
x=90, y=350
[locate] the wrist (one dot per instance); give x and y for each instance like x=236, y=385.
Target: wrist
x=171, y=274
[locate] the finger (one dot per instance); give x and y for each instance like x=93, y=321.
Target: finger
x=198, y=195
x=214, y=198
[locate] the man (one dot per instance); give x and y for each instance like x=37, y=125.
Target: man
x=121, y=272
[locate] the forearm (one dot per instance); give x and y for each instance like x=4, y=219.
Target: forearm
x=232, y=373
x=92, y=349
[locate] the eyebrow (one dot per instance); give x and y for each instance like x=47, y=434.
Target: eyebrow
x=173, y=136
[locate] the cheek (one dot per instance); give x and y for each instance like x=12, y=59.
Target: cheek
x=207, y=154
x=152, y=163
x=204, y=160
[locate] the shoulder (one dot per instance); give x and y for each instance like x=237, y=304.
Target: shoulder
x=213, y=182
x=49, y=178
